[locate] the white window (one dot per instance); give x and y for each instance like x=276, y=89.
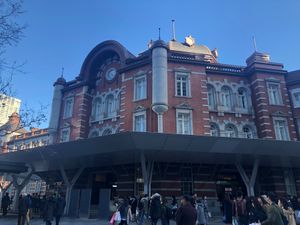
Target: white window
x=109, y=105
x=281, y=129
x=274, y=93
x=226, y=97
x=184, y=122
x=139, y=121
x=248, y=132
x=140, y=88
x=211, y=97
x=182, y=85
x=230, y=130
x=68, y=109
x=97, y=109
x=106, y=132
x=295, y=93
x=214, y=130
x=65, y=135
x=242, y=98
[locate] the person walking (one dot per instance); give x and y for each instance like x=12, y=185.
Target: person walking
x=29, y=211
x=288, y=212
x=201, y=212
x=155, y=208
x=240, y=209
x=123, y=209
x=273, y=214
x=23, y=207
x=142, y=209
x=186, y=214
x=49, y=210
x=60, y=205
x=133, y=205
x=255, y=211
x=227, y=207
x=166, y=212
x=5, y=204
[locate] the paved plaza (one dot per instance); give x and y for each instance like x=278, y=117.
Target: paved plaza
x=69, y=221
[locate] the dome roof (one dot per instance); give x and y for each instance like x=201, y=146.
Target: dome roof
x=60, y=80
x=196, y=49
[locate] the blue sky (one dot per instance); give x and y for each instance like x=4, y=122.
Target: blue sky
x=62, y=32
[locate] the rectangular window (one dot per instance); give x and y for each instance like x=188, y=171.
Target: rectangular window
x=274, y=94
x=140, y=88
x=281, y=129
x=65, y=135
x=68, y=109
x=184, y=122
x=182, y=85
x=139, y=121
x=295, y=93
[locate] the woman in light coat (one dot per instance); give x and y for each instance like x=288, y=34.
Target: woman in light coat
x=201, y=213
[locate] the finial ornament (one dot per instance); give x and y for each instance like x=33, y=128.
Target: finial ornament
x=190, y=41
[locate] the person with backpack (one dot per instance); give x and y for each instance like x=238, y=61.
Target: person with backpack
x=155, y=208
x=273, y=213
x=240, y=209
x=142, y=209
x=166, y=212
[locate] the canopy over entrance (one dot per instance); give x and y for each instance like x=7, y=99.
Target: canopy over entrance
x=127, y=147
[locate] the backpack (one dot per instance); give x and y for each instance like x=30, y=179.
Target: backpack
x=140, y=205
x=169, y=213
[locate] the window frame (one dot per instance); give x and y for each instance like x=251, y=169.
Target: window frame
x=137, y=78
x=279, y=93
x=188, y=86
x=225, y=107
x=136, y=114
x=282, y=119
x=106, y=113
x=293, y=92
x=94, y=116
x=184, y=111
x=68, y=130
x=234, y=128
x=70, y=112
x=217, y=129
x=214, y=97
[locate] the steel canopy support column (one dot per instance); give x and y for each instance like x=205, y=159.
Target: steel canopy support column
x=69, y=184
x=249, y=182
x=19, y=187
x=147, y=170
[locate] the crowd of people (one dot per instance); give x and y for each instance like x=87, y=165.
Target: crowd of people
x=267, y=209
x=155, y=209
x=48, y=207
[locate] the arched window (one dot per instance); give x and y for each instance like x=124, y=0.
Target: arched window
x=231, y=131
x=226, y=97
x=248, y=132
x=214, y=130
x=96, y=109
x=242, y=98
x=107, y=131
x=94, y=134
x=211, y=96
x=109, y=105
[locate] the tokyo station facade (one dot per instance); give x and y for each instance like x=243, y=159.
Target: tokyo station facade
x=171, y=120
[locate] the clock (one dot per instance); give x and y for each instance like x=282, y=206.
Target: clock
x=111, y=74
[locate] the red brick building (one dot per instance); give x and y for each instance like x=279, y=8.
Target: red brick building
x=180, y=88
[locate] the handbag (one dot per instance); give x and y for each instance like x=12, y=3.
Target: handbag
x=117, y=216
x=112, y=220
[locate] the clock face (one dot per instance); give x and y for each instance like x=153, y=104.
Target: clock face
x=111, y=74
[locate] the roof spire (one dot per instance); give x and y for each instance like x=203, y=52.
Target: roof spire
x=173, y=30
x=254, y=43
x=159, y=33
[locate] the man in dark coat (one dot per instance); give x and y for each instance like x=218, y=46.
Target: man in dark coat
x=155, y=208
x=22, y=209
x=5, y=204
x=49, y=210
x=186, y=214
x=59, y=209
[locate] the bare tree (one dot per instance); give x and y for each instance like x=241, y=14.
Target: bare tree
x=11, y=33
